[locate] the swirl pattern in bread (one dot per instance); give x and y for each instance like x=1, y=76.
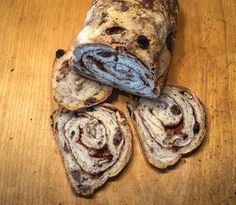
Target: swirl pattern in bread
x=172, y=125
x=96, y=144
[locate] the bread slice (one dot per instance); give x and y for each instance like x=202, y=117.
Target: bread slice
x=172, y=125
x=72, y=91
x=96, y=144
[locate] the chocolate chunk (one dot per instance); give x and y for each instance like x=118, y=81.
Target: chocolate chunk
x=117, y=138
x=175, y=110
x=65, y=64
x=98, y=63
x=176, y=148
x=103, y=19
x=60, y=53
x=81, y=131
x=124, y=7
x=64, y=70
x=147, y=76
x=90, y=101
x=105, y=54
x=196, y=128
x=56, y=127
x=143, y=42
x=185, y=137
x=72, y=134
x=114, y=30
x=99, y=143
x=169, y=41
x=76, y=175
x=90, y=109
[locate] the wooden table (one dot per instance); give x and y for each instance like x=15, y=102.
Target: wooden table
x=31, y=170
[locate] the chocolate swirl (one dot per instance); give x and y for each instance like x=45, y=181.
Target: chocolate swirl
x=127, y=44
x=72, y=91
x=170, y=126
x=96, y=144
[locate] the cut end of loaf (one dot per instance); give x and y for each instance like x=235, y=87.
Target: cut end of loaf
x=115, y=67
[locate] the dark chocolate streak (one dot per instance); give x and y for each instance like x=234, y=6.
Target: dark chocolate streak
x=169, y=41
x=98, y=63
x=105, y=54
x=114, y=30
x=196, y=127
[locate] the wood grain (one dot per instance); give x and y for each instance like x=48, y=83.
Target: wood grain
x=31, y=170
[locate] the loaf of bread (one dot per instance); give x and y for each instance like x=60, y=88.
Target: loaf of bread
x=170, y=126
x=127, y=44
x=96, y=144
x=72, y=91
